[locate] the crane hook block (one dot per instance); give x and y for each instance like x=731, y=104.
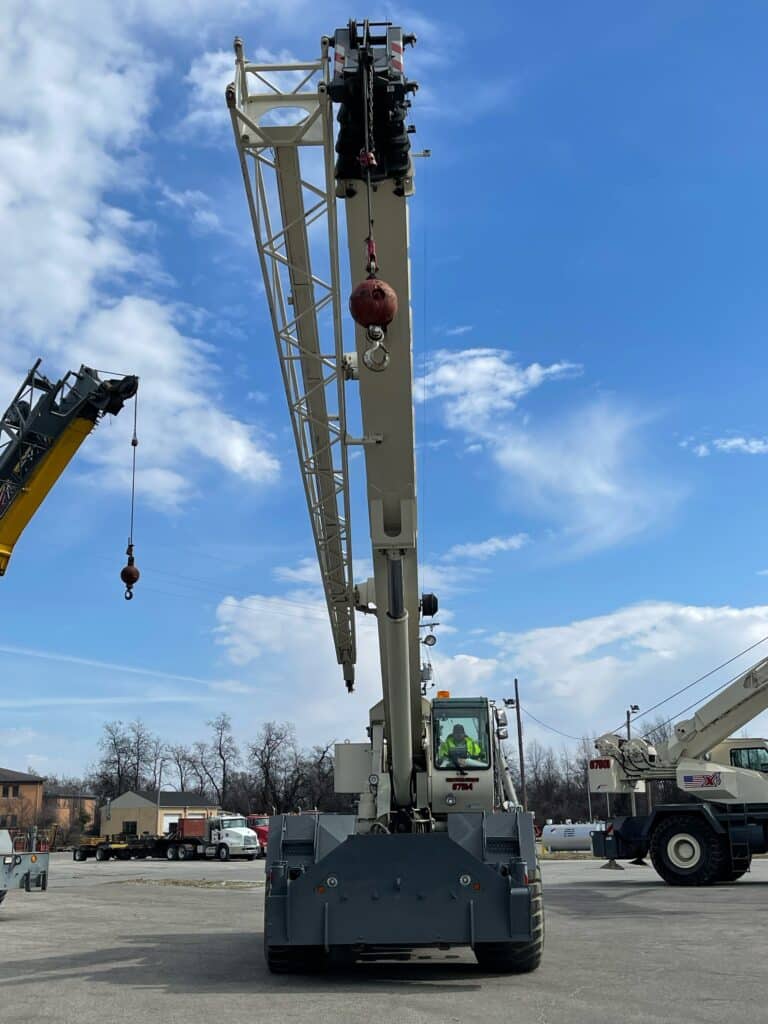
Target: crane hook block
x=373, y=303
x=129, y=574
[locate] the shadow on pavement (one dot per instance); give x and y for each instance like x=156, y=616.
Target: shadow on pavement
x=222, y=962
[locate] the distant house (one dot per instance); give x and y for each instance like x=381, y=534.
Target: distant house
x=21, y=799
x=136, y=813
x=69, y=807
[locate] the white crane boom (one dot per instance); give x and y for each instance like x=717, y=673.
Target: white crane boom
x=731, y=709
x=280, y=190
x=286, y=204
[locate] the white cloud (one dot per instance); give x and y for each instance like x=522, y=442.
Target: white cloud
x=581, y=677
x=487, y=548
x=208, y=77
x=307, y=571
x=77, y=87
x=478, y=383
x=454, y=332
x=289, y=655
x=179, y=416
x=745, y=445
x=583, y=471
x=197, y=206
x=729, y=446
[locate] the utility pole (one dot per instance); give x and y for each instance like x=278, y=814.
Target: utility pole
x=630, y=711
x=521, y=754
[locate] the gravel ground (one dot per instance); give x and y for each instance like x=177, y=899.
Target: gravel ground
x=157, y=941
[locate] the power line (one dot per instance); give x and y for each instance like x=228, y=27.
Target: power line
x=700, y=679
x=551, y=728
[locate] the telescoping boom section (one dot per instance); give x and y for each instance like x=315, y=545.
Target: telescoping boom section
x=40, y=432
x=437, y=850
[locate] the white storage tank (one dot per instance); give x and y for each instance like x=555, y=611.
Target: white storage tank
x=568, y=836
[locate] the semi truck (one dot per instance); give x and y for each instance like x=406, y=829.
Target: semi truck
x=439, y=851
x=22, y=865
x=712, y=836
x=260, y=825
x=222, y=837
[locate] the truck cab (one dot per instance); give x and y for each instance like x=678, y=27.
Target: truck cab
x=745, y=752
x=260, y=825
x=232, y=831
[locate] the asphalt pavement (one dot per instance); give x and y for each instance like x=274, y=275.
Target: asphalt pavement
x=153, y=941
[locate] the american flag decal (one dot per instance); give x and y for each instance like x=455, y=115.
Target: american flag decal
x=701, y=781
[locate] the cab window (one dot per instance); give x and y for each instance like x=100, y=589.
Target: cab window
x=755, y=758
x=461, y=738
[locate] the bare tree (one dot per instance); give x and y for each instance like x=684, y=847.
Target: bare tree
x=111, y=775
x=180, y=758
x=142, y=742
x=225, y=753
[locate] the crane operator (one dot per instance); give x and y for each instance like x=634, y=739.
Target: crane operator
x=457, y=746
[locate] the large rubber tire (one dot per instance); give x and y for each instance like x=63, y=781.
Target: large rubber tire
x=517, y=957
x=223, y=852
x=101, y=854
x=184, y=853
x=685, y=851
x=78, y=854
x=295, y=959
x=171, y=852
x=729, y=874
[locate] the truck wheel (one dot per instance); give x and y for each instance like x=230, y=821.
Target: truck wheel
x=685, y=851
x=252, y=856
x=730, y=874
x=171, y=853
x=78, y=855
x=184, y=853
x=101, y=853
x=223, y=852
x=517, y=957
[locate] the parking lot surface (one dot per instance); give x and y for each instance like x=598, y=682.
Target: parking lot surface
x=170, y=942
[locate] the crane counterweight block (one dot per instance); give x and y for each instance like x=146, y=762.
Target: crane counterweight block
x=373, y=303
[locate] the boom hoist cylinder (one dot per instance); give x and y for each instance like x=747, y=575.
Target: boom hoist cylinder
x=40, y=432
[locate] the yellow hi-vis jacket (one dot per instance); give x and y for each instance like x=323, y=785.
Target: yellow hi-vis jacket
x=473, y=747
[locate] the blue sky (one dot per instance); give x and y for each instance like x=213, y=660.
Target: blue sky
x=589, y=327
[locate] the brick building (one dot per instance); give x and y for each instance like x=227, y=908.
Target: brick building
x=69, y=807
x=21, y=799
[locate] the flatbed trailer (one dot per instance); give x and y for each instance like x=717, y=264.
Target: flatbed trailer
x=157, y=847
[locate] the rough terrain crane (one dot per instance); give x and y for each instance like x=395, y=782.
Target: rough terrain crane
x=709, y=840
x=439, y=853
x=40, y=432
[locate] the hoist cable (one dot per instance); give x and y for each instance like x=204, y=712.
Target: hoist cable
x=134, y=445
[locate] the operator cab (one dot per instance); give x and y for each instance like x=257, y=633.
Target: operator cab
x=462, y=755
x=460, y=735
x=750, y=753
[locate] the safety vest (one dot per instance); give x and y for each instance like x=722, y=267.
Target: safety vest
x=473, y=747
